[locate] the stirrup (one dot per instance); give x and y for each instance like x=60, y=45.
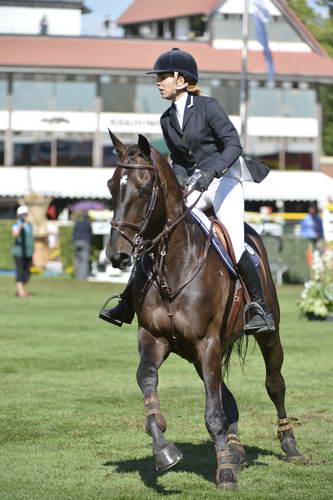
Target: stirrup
x=253, y=308
x=101, y=314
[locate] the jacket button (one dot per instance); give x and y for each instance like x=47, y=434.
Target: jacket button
x=184, y=137
x=190, y=152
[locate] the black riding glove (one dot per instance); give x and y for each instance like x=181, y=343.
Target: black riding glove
x=203, y=182
x=182, y=180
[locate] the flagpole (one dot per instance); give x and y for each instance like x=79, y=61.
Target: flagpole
x=243, y=76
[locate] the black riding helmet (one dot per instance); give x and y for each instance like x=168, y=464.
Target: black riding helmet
x=176, y=60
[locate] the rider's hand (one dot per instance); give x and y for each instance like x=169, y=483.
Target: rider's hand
x=203, y=182
x=182, y=180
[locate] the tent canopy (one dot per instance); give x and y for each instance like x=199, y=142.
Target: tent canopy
x=297, y=185
x=55, y=182
x=67, y=182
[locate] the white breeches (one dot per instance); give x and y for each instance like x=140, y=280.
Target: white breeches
x=226, y=196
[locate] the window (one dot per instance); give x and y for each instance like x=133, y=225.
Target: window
x=3, y=90
x=288, y=102
x=75, y=96
x=148, y=99
x=160, y=30
x=50, y=92
x=172, y=28
x=197, y=25
x=228, y=95
x=118, y=95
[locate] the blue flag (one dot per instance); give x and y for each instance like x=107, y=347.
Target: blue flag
x=261, y=16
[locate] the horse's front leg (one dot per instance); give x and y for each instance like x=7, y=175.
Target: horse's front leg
x=153, y=352
x=234, y=444
x=216, y=418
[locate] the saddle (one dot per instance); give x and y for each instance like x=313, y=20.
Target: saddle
x=222, y=243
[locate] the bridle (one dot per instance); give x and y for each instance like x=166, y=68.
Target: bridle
x=139, y=228
x=139, y=245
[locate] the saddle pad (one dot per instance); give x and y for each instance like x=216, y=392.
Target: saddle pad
x=204, y=223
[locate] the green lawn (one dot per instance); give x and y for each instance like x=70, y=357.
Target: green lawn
x=71, y=418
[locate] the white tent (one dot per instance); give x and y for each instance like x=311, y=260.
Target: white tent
x=298, y=185
x=68, y=182
x=56, y=182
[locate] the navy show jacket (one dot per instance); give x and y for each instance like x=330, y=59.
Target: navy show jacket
x=207, y=140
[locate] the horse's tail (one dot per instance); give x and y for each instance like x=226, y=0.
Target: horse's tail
x=241, y=344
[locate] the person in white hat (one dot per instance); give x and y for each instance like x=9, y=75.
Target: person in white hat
x=22, y=250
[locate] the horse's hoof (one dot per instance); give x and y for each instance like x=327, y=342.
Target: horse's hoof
x=167, y=457
x=289, y=447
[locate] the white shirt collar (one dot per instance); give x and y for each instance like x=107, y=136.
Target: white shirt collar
x=180, y=108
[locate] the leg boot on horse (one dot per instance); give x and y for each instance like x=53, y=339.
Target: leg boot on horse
x=261, y=320
x=121, y=313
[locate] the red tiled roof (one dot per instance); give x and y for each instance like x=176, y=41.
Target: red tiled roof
x=149, y=10
x=131, y=54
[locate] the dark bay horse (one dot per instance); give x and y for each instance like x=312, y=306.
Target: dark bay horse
x=182, y=294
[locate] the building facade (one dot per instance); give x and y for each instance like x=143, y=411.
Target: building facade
x=59, y=94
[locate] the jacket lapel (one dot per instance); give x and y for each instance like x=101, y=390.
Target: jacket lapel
x=174, y=120
x=189, y=108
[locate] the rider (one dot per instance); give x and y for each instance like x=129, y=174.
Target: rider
x=206, y=154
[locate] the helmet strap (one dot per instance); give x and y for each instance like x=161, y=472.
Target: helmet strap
x=178, y=87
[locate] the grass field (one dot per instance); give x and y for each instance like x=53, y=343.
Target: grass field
x=71, y=418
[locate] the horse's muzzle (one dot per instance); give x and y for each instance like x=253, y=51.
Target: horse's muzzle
x=121, y=261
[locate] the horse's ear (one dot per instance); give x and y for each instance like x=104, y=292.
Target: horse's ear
x=120, y=147
x=144, y=145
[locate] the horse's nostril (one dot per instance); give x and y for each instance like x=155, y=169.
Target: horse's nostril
x=121, y=261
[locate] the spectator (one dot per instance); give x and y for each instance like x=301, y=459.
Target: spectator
x=312, y=226
x=44, y=26
x=22, y=250
x=82, y=236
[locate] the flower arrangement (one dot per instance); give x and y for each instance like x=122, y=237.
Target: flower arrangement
x=317, y=295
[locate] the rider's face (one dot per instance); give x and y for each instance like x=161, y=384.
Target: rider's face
x=166, y=85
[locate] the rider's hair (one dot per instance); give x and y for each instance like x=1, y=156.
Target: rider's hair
x=192, y=88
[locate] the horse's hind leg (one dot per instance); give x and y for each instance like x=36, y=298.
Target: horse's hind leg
x=271, y=349
x=152, y=354
x=209, y=368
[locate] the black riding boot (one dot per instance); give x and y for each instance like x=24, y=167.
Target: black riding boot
x=123, y=312
x=258, y=318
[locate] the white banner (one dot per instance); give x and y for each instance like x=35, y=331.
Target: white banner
x=146, y=123
x=4, y=116
x=143, y=123
x=68, y=121
x=54, y=121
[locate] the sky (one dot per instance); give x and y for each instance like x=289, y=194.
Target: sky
x=92, y=24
